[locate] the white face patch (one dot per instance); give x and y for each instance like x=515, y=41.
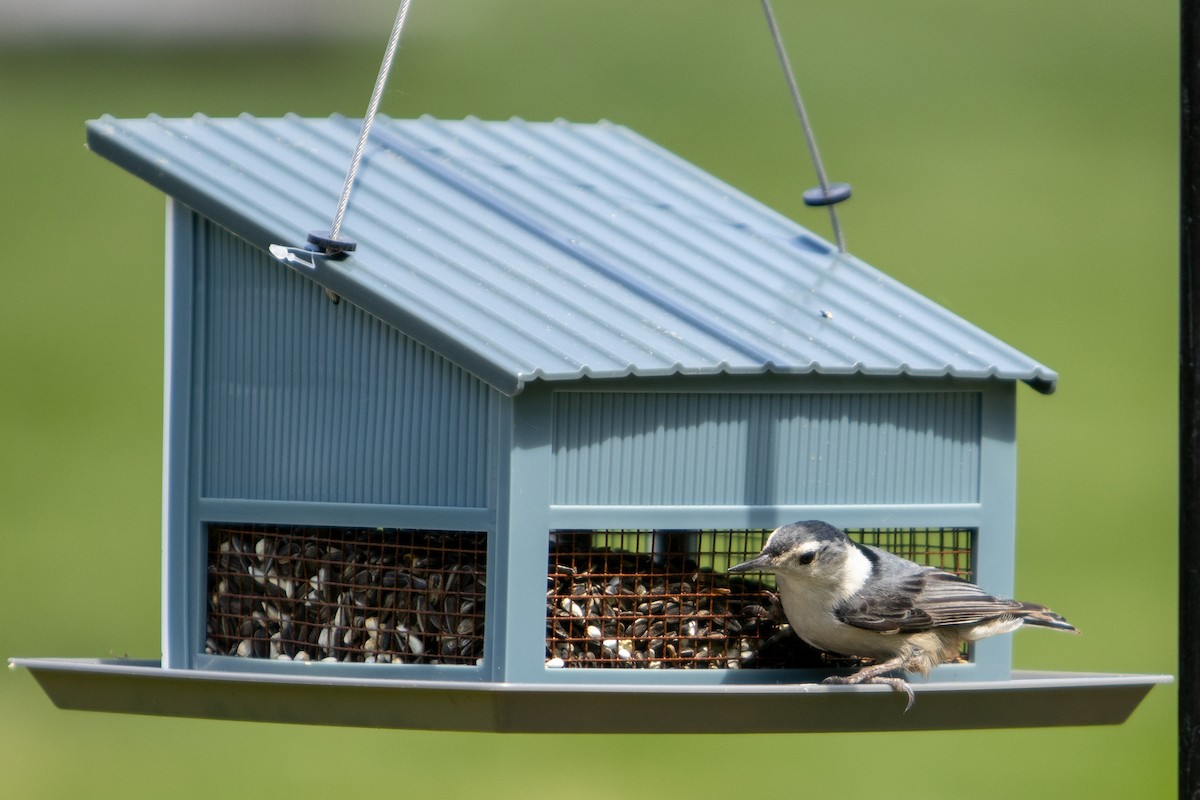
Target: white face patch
x=855, y=573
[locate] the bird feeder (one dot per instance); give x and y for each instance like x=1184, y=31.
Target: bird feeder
x=487, y=471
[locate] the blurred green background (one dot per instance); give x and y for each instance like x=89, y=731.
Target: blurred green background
x=1014, y=161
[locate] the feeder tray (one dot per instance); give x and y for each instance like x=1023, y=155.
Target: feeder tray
x=1028, y=699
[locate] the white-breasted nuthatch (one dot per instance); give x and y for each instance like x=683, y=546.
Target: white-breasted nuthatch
x=852, y=599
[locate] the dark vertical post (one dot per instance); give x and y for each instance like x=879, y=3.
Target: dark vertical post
x=1189, y=403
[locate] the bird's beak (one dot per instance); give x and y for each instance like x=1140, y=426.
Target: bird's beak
x=760, y=563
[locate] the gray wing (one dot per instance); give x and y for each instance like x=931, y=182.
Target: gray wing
x=921, y=599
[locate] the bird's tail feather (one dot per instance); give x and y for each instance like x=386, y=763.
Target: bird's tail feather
x=1045, y=618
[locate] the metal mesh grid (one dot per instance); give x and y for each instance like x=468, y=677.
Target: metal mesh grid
x=661, y=599
x=370, y=595
x=950, y=549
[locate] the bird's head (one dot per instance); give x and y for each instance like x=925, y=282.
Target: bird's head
x=811, y=550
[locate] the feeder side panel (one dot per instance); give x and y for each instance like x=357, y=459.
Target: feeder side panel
x=725, y=457
x=283, y=408
x=760, y=449
x=305, y=400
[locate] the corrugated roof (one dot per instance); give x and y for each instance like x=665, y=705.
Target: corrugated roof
x=555, y=250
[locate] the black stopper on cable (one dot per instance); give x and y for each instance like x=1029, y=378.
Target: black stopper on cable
x=329, y=246
x=819, y=196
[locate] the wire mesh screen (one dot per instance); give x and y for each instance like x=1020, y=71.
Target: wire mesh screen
x=662, y=600
x=949, y=549
x=370, y=595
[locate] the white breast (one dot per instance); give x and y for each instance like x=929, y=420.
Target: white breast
x=811, y=617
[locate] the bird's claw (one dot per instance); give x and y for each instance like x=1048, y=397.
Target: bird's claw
x=897, y=684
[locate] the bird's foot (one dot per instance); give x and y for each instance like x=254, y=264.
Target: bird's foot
x=897, y=684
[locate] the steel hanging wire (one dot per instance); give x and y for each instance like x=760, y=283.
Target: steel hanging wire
x=827, y=194
x=332, y=243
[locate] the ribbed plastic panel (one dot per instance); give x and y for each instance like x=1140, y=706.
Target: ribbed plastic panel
x=658, y=449
x=555, y=251
x=308, y=401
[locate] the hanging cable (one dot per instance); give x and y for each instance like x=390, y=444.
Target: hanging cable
x=827, y=194
x=333, y=243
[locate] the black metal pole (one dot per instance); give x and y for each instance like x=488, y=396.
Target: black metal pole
x=1189, y=403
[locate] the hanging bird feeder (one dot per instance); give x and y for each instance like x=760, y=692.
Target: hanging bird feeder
x=570, y=380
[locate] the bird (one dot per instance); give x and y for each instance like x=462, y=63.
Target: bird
x=856, y=600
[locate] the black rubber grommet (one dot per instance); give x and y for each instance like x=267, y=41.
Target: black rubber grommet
x=817, y=196
x=328, y=245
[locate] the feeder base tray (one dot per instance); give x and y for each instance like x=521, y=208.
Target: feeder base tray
x=1030, y=699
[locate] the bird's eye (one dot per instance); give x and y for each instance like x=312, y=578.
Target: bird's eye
x=807, y=558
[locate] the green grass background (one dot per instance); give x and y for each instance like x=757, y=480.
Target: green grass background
x=1014, y=161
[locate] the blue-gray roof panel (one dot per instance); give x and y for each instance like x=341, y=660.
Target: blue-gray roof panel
x=554, y=250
